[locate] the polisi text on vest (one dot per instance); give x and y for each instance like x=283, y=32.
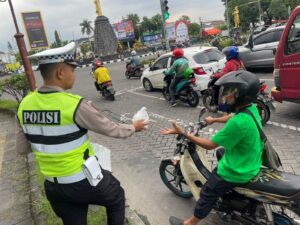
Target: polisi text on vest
x=41, y=117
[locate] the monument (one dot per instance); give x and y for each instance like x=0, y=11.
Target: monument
x=105, y=39
x=236, y=17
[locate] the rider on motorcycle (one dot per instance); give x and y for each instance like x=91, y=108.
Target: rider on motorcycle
x=234, y=63
x=101, y=74
x=179, y=66
x=242, y=158
x=135, y=61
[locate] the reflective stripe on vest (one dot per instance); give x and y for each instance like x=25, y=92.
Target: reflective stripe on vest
x=47, y=120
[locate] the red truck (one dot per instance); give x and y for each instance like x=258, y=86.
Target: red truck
x=287, y=62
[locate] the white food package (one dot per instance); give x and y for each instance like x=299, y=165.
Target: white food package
x=141, y=115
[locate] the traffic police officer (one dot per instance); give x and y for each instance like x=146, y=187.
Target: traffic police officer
x=54, y=124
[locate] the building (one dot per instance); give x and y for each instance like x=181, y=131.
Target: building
x=7, y=58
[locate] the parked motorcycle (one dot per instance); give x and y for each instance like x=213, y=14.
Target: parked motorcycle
x=136, y=71
x=106, y=89
x=186, y=90
x=264, y=102
x=271, y=198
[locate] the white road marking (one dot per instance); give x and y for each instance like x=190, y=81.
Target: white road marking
x=132, y=91
x=267, y=79
x=124, y=91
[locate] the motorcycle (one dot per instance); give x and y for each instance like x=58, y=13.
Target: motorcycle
x=271, y=198
x=136, y=71
x=186, y=90
x=106, y=89
x=264, y=102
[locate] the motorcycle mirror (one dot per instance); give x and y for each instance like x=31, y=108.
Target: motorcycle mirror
x=202, y=112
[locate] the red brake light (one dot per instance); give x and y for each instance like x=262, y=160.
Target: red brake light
x=193, y=80
x=263, y=87
x=199, y=71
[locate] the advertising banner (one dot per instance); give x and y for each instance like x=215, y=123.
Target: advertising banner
x=170, y=31
x=35, y=30
x=152, y=39
x=124, y=30
x=182, y=33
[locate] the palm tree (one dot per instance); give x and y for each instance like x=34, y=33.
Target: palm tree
x=86, y=28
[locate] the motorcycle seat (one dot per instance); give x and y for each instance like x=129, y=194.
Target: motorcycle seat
x=275, y=182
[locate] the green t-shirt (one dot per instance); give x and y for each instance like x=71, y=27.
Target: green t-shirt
x=243, y=147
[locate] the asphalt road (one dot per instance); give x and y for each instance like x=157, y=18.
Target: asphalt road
x=136, y=160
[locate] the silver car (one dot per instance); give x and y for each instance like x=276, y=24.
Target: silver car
x=261, y=54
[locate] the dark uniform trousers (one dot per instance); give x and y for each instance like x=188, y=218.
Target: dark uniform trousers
x=70, y=201
x=212, y=190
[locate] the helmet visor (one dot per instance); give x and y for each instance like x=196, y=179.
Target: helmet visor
x=228, y=96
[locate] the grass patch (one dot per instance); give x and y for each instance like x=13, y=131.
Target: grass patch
x=8, y=104
x=148, y=61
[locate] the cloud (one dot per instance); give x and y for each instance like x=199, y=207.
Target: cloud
x=65, y=16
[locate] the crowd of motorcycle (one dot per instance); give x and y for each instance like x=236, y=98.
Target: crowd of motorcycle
x=276, y=201
x=186, y=89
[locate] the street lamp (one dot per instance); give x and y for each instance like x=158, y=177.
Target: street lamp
x=22, y=49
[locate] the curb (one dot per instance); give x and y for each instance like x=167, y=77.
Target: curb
x=39, y=217
x=118, y=60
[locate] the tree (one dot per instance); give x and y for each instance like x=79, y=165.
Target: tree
x=194, y=29
x=278, y=10
x=57, y=39
x=85, y=48
x=185, y=18
x=157, y=22
x=16, y=86
x=86, y=27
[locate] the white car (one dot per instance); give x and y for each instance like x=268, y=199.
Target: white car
x=203, y=60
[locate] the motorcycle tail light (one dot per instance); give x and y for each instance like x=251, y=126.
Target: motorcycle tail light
x=199, y=71
x=193, y=80
x=263, y=87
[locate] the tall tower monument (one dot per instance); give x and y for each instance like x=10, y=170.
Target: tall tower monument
x=104, y=37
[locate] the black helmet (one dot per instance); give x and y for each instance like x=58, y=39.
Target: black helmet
x=237, y=88
x=231, y=52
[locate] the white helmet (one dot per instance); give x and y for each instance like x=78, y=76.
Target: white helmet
x=133, y=53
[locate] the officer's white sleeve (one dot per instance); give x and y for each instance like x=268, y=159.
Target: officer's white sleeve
x=88, y=116
x=22, y=144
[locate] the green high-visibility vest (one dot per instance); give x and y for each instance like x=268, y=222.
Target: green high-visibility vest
x=59, y=144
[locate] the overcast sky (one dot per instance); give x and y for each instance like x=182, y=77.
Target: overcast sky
x=65, y=15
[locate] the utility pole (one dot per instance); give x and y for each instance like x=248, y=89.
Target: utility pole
x=201, y=28
x=164, y=26
x=259, y=10
x=228, y=20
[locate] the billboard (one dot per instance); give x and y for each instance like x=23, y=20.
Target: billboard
x=124, y=30
x=182, y=32
x=35, y=30
x=170, y=31
x=152, y=39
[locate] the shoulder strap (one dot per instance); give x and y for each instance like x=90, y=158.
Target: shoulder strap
x=262, y=134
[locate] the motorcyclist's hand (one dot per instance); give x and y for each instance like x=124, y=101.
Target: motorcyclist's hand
x=140, y=125
x=212, y=76
x=209, y=120
x=176, y=129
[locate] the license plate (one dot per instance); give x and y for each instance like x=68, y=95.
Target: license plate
x=271, y=105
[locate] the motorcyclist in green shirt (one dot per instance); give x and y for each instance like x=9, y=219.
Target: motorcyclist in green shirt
x=242, y=158
x=179, y=66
